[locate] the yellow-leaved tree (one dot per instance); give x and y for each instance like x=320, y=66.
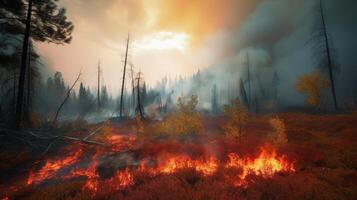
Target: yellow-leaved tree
x=237, y=118
x=185, y=121
x=313, y=85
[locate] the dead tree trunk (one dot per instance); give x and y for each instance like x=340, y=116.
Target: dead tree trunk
x=98, y=91
x=139, y=108
x=132, y=88
x=123, y=82
x=328, y=54
x=20, y=95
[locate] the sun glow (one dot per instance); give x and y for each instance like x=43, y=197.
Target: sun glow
x=163, y=41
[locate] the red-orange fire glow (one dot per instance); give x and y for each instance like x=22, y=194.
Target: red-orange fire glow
x=119, y=143
x=51, y=167
x=265, y=165
x=175, y=163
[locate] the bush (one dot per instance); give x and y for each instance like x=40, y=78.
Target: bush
x=186, y=121
x=278, y=136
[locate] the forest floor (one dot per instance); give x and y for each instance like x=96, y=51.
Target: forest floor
x=319, y=161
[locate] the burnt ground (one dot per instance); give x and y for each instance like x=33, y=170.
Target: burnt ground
x=323, y=147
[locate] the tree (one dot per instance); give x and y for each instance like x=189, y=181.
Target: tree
x=139, y=107
x=41, y=20
x=275, y=84
x=123, y=81
x=243, y=93
x=85, y=100
x=314, y=86
x=104, y=97
x=324, y=50
x=214, y=100
x=237, y=118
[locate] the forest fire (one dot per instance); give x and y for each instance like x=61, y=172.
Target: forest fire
x=265, y=165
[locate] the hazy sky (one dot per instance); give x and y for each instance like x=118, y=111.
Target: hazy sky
x=178, y=37
x=168, y=37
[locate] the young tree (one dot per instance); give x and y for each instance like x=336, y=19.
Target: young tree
x=237, y=118
x=314, y=86
x=43, y=21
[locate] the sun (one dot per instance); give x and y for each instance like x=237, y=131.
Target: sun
x=163, y=40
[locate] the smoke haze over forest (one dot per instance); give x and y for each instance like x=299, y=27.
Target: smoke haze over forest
x=214, y=38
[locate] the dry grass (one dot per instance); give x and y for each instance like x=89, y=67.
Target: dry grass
x=324, y=147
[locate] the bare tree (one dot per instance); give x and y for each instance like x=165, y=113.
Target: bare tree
x=139, y=106
x=132, y=86
x=98, y=90
x=324, y=50
x=123, y=82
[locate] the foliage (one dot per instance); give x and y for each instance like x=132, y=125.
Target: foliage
x=314, y=86
x=49, y=22
x=185, y=121
x=237, y=118
x=278, y=136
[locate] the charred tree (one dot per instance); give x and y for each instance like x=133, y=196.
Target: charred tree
x=243, y=93
x=324, y=50
x=132, y=87
x=98, y=89
x=139, y=106
x=123, y=81
x=328, y=54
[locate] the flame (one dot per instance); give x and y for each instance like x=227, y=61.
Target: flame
x=266, y=165
x=173, y=163
x=121, y=179
x=51, y=167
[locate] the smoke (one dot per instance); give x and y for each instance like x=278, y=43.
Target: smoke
x=275, y=36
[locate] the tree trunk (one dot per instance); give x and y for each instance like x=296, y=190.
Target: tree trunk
x=98, y=91
x=20, y=95
x=123, y=82
x=333, y=89
x=139, y=108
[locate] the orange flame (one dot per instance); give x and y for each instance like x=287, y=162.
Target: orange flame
x=266, y=165
x=51, y=167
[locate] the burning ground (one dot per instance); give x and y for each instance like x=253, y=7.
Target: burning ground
x=317, y=162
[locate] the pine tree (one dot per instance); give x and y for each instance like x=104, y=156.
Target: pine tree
x=45, y=22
